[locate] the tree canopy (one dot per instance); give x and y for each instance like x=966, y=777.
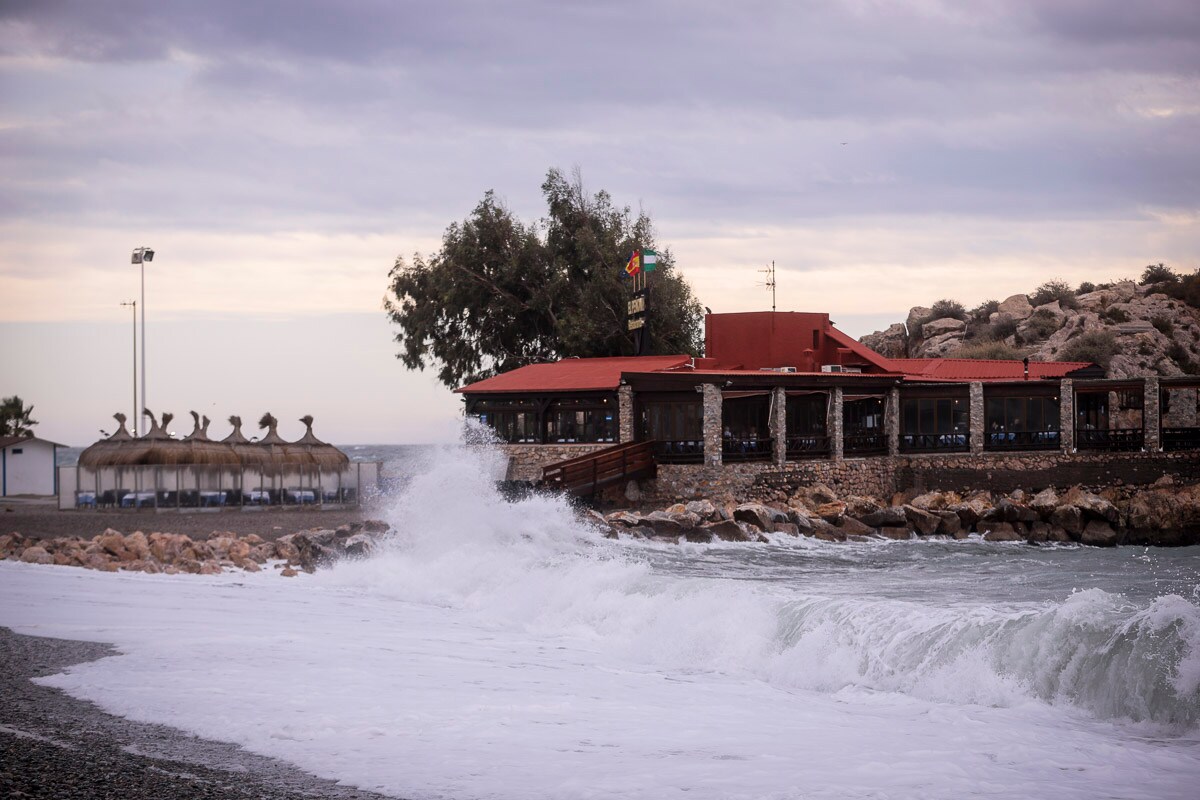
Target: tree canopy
x=502, y=293
x=15, y=417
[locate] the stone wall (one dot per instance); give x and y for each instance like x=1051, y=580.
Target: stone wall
x=764, y=481
x=882, y=477
x=525, y=461
x=1036, y=471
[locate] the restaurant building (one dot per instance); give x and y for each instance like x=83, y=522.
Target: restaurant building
x=778, y=388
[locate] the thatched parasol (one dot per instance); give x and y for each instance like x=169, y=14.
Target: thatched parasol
x=103, y=452
x=204, y=450
x=319, y=453
x=272, y=445
x=247, y=453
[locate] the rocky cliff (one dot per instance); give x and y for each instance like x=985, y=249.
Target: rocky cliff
x=1131, y=330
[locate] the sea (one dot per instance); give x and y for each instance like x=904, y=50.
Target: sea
x=504, y=649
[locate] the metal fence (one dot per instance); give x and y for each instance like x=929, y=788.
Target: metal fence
x=195, y=487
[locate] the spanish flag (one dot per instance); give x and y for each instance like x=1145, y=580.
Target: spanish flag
x=635, y=264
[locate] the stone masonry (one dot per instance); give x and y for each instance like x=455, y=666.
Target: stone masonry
x=891, y=421
x=779, y=424
x=1151, y=412
x=1066, y=415
x=625, y=413
x=712, y=425
x=837, y=421
x=976, y=418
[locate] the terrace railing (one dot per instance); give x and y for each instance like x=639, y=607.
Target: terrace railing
x=864, y=444
x=802, y=446
x=1118, y=439
x=1022, y=440
x=935, y=442
x=1180, y=439
x=747, y=449
x=679, y=451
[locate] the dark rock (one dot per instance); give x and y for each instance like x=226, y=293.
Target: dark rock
x=895, y=532
x=892, y=516
x=1098, y=533
x=727, y=530
x=1069, y=518
x=852, y=527
x=923, y=522
x=999, y=532
x=951, y=523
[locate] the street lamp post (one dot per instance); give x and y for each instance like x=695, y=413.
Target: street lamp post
x=140, y=256
x=136, y=416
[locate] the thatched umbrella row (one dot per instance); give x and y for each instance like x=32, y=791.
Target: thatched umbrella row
x=157, y=447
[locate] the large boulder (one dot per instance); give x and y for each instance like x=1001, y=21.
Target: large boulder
x=704, y=509
x=729, y=530
x=950, y=525
x=1017, y=307
x=36, y=555
x=813, y=496
x=1094, y=506
x=1044, y=502
x=760, y=516
x=1069, y=518
x=1099, y=533
x=941, y=327
x=923, y=522
x=892, y=516
x=1000, y=532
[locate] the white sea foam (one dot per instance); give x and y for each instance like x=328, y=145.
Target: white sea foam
x=504, y=650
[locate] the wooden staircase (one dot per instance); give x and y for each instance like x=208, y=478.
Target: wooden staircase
x=586, y=475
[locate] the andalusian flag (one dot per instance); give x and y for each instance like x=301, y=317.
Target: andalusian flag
x=649, y=260
x=635, y=264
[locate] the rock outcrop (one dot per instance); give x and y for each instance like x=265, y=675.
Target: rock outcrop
x=1153, y=334
x=173, y=553
x=1159, y=515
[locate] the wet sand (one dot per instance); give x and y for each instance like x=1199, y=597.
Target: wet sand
x=54, y=747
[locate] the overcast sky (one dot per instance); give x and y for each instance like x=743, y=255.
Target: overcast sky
x=280, y=155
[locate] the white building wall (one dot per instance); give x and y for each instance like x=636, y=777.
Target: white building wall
x=28, y=468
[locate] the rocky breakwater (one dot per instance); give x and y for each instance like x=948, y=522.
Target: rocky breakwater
x=1163, y=515
x=175, y=553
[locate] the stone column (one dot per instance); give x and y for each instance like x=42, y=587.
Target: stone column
x=837, y=424
x=625, y=413
x=891, y=421
x=1066, y=414
x=712, y=425
x=1114, y=411
x=1151, y=416
x=976, y=419
x=779, y=424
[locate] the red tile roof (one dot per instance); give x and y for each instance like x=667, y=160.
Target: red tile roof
x=969, y=369
x=572, y=374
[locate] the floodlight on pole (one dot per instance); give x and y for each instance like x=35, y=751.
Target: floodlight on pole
x=140, y=256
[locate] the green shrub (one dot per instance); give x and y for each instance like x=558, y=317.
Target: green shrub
x=981, y=312
x=1087, y=287
x=990, y=350
x=1042, y=325
x=1180, y=355
x=1115, y=315
x=1163, y=325
x=1097, y=347
x=1050, y=291
x=946, y=309
x=1186, y=289
x=1158, y=273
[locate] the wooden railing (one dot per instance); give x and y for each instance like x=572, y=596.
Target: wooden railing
x=586, y=475
x=1180, y=439
x=747, y=449
x=864, y=444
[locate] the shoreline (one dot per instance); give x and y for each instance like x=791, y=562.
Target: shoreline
x=47, y=522
x=53, y=746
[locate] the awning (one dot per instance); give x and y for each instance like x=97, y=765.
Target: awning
x=803, y=392
x=846, y=398
x=737, y=395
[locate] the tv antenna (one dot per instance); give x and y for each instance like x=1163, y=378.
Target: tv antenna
x=770, y=284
